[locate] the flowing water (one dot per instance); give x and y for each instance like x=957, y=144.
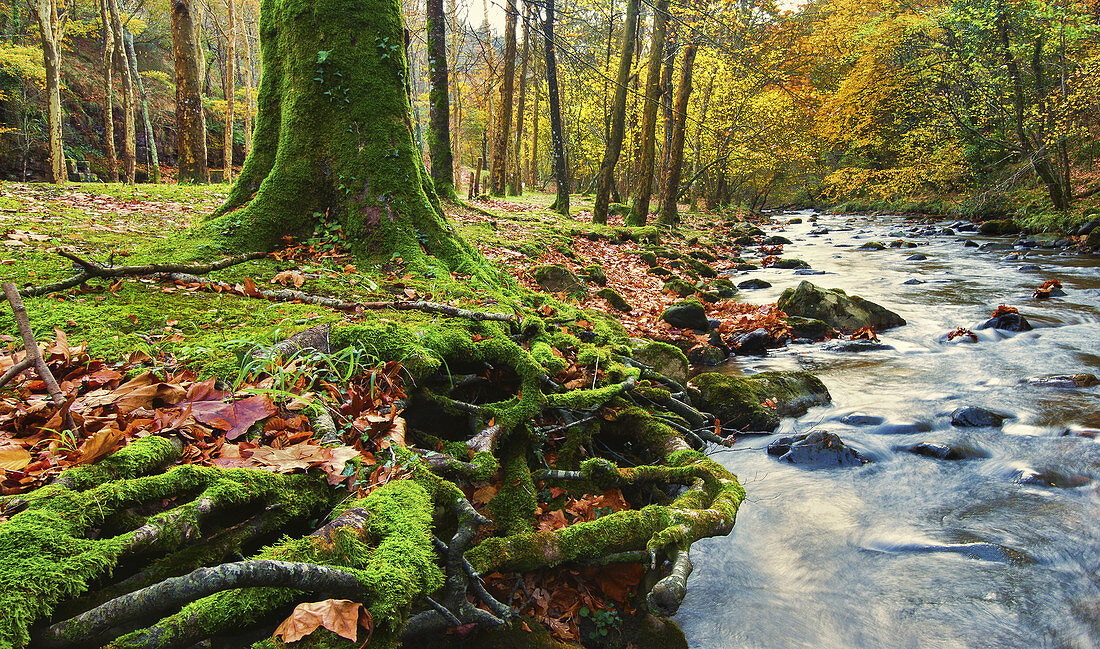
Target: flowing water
x=1001, y=550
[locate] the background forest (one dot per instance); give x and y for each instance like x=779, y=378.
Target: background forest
x=968, y=107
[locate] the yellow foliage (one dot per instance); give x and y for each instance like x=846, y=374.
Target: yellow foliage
x=22, y=62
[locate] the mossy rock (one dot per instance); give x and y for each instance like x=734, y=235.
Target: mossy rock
x=678, y=286
x=743, y=266
x=614, y=299
x=688, y=314
x=618, y=209
x=776, y=240
x=795, y=221
x=699, y=267
x=1093, y=240
x=999, y=227
x=722, y=286
x=594, y=273
x=736, y=401
x=747, y=231
x=558, y=279
x=647, y=234
x=664, y=359
x=808, y=328
x=836, y=308
x=648, y=257
x=790, y=264
x=659, y=271
x=872, y=245
x=745, y=240
x=703, y=255
x=707, y=355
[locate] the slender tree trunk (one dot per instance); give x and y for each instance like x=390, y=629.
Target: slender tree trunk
x=668, y=215
x=108, y=90
x=129, y=142
x=517, y=167
x=533, y=171
x=250, y=86
x=606, y=179
x=190, y=128
x=457, y=34
x=639, y=211
x=150, y=138
x=439, y=106
x=51, y=27
x=498, y=175
x=672, y=48
x=561, y=203
x=230, y=90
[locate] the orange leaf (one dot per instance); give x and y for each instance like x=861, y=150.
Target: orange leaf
x=14, y=458
x=341, y=616
x=99, y=444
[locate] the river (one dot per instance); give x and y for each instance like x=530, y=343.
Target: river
x=1001, y=550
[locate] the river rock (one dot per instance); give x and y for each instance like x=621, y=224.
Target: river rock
x=933, y=450
x=707, y=355
x=855, y=346
x=752, y=284
x=816, y=450
x=900, y=428
x=860, y=419
x=688, y=314
x=776, y=240
x=1002, y=227
x=1007, y=322
x=818, y=231
x=913, y=282
x=872, y=245
x=975, y=417
x=916, y=257
x=754, y=343
x=836, y=308
x=788, y=264
x=1030, y=268
x=1065, y=381
x=967, y=243
x=808, y=328
x=664, y=359
x=614, y=299
x=795, y=221
x=1093, y=240
x=736, y=401
x=808, y=271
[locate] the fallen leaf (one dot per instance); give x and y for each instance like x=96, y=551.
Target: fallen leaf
x=99, y=444
x=341, y=616
x=14, y=458
x=291, y=458
x=235, y=418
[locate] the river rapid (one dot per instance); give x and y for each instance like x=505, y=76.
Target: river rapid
x=1000, y=550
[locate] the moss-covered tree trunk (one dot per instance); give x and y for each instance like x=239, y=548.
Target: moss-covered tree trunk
x=108, y=92
x=51, y=27
x=606, y=177
x=190, y=127
x=334, y=141
x=498, y=175
x=643, y=190
x=557, y=136
x=230, y=91
x=668, y=215
x=439, y=107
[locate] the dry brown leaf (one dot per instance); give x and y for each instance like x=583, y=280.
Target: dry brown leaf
x=99, y=444
x=286, y=460
x=14, y=458
x=341, y=616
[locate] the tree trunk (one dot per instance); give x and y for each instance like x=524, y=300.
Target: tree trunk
x=672, y=48
x=318, y=159
x=643, y=190
x=248, y=83
x=561, y=203
x=668, y=215
x=498, y=175
x=108, y=91
x=606, y=179
x=129, y=142
x=150, y=138
x=190, y=126
x=230, y=91
x=439, y=106
x=516, y=188
x=533, y=172
x=51, y=27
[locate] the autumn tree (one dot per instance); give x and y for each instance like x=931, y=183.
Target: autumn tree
x=643, y=189
x=230, y=89
x=108, y=91
x=51, y=29
x=618, y=116
x=516, y=185
x=439, y=111
x=121, y=61
x=190, y=123
x=668, y=215
x=557, y=137
x=498, y=175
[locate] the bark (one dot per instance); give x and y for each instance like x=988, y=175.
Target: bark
x=533, y=171
x=498, y=175
x=129, y=141
x=248, y=83
x=643, y=188
x=150, y=137
x=334, y=140
x=23, y=323
x=230, y=90
x=557, y=140
x=108, y=90
x=516, y=187
x=51, y=28
x=439, y=115
x=668, y=215
x=606, y=178
x=672, y=49
x=190, y=125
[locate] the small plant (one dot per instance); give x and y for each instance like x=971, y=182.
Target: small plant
x=603, y=621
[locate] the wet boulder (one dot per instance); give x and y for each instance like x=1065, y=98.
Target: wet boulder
x=740, y=403
x=753, y=284
x=860, y=419
x=816, y=450
x=872, y=245
x=707, y=355
x=938, y=451
x=975, y=417
x=1084, y=380
x=916, y=257
x=1010, y=321
x=1000, y=227
x=837, y=309
x=855, y=346
x=664, y=359
x=808, y=328
x=754, y=343
x=776, y=240
x=614, y=299
x=789, y=264
x=688, y=314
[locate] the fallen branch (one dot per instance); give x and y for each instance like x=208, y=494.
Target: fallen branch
x=668, y=594
x=24, y=324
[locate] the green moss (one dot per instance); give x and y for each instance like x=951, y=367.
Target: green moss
x=544, y=354
x=513, y=507
x=679, y=287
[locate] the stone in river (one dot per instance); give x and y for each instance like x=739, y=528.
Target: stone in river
x=1084, y=380
x=816, y=450
x=688, y=314
x=975, y=417
x=836, y=308
x=860, y=419
x=969, y=244
x=855, y=346
x=1030, y=268
x=808, y=271
x=1007, y=322
x=754, y=284
x=935, y=450
x=707, y=355
x=737, y=401
x=911, y=282
x=754, y=343
x=916, y=257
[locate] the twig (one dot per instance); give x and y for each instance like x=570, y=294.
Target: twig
x=16, y=370
x=31, y=346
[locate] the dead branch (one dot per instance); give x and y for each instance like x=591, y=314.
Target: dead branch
x=24, y=323
x=16, y=370
x=668, y=594
x=101, y=622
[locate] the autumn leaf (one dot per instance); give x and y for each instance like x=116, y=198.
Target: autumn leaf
x=291, y=458
x=341, y=616
x=235, y=418
x=14, y=458
x=99, y=444
x=289, y=276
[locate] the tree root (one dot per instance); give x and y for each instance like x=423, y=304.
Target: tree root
x=667, y=594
